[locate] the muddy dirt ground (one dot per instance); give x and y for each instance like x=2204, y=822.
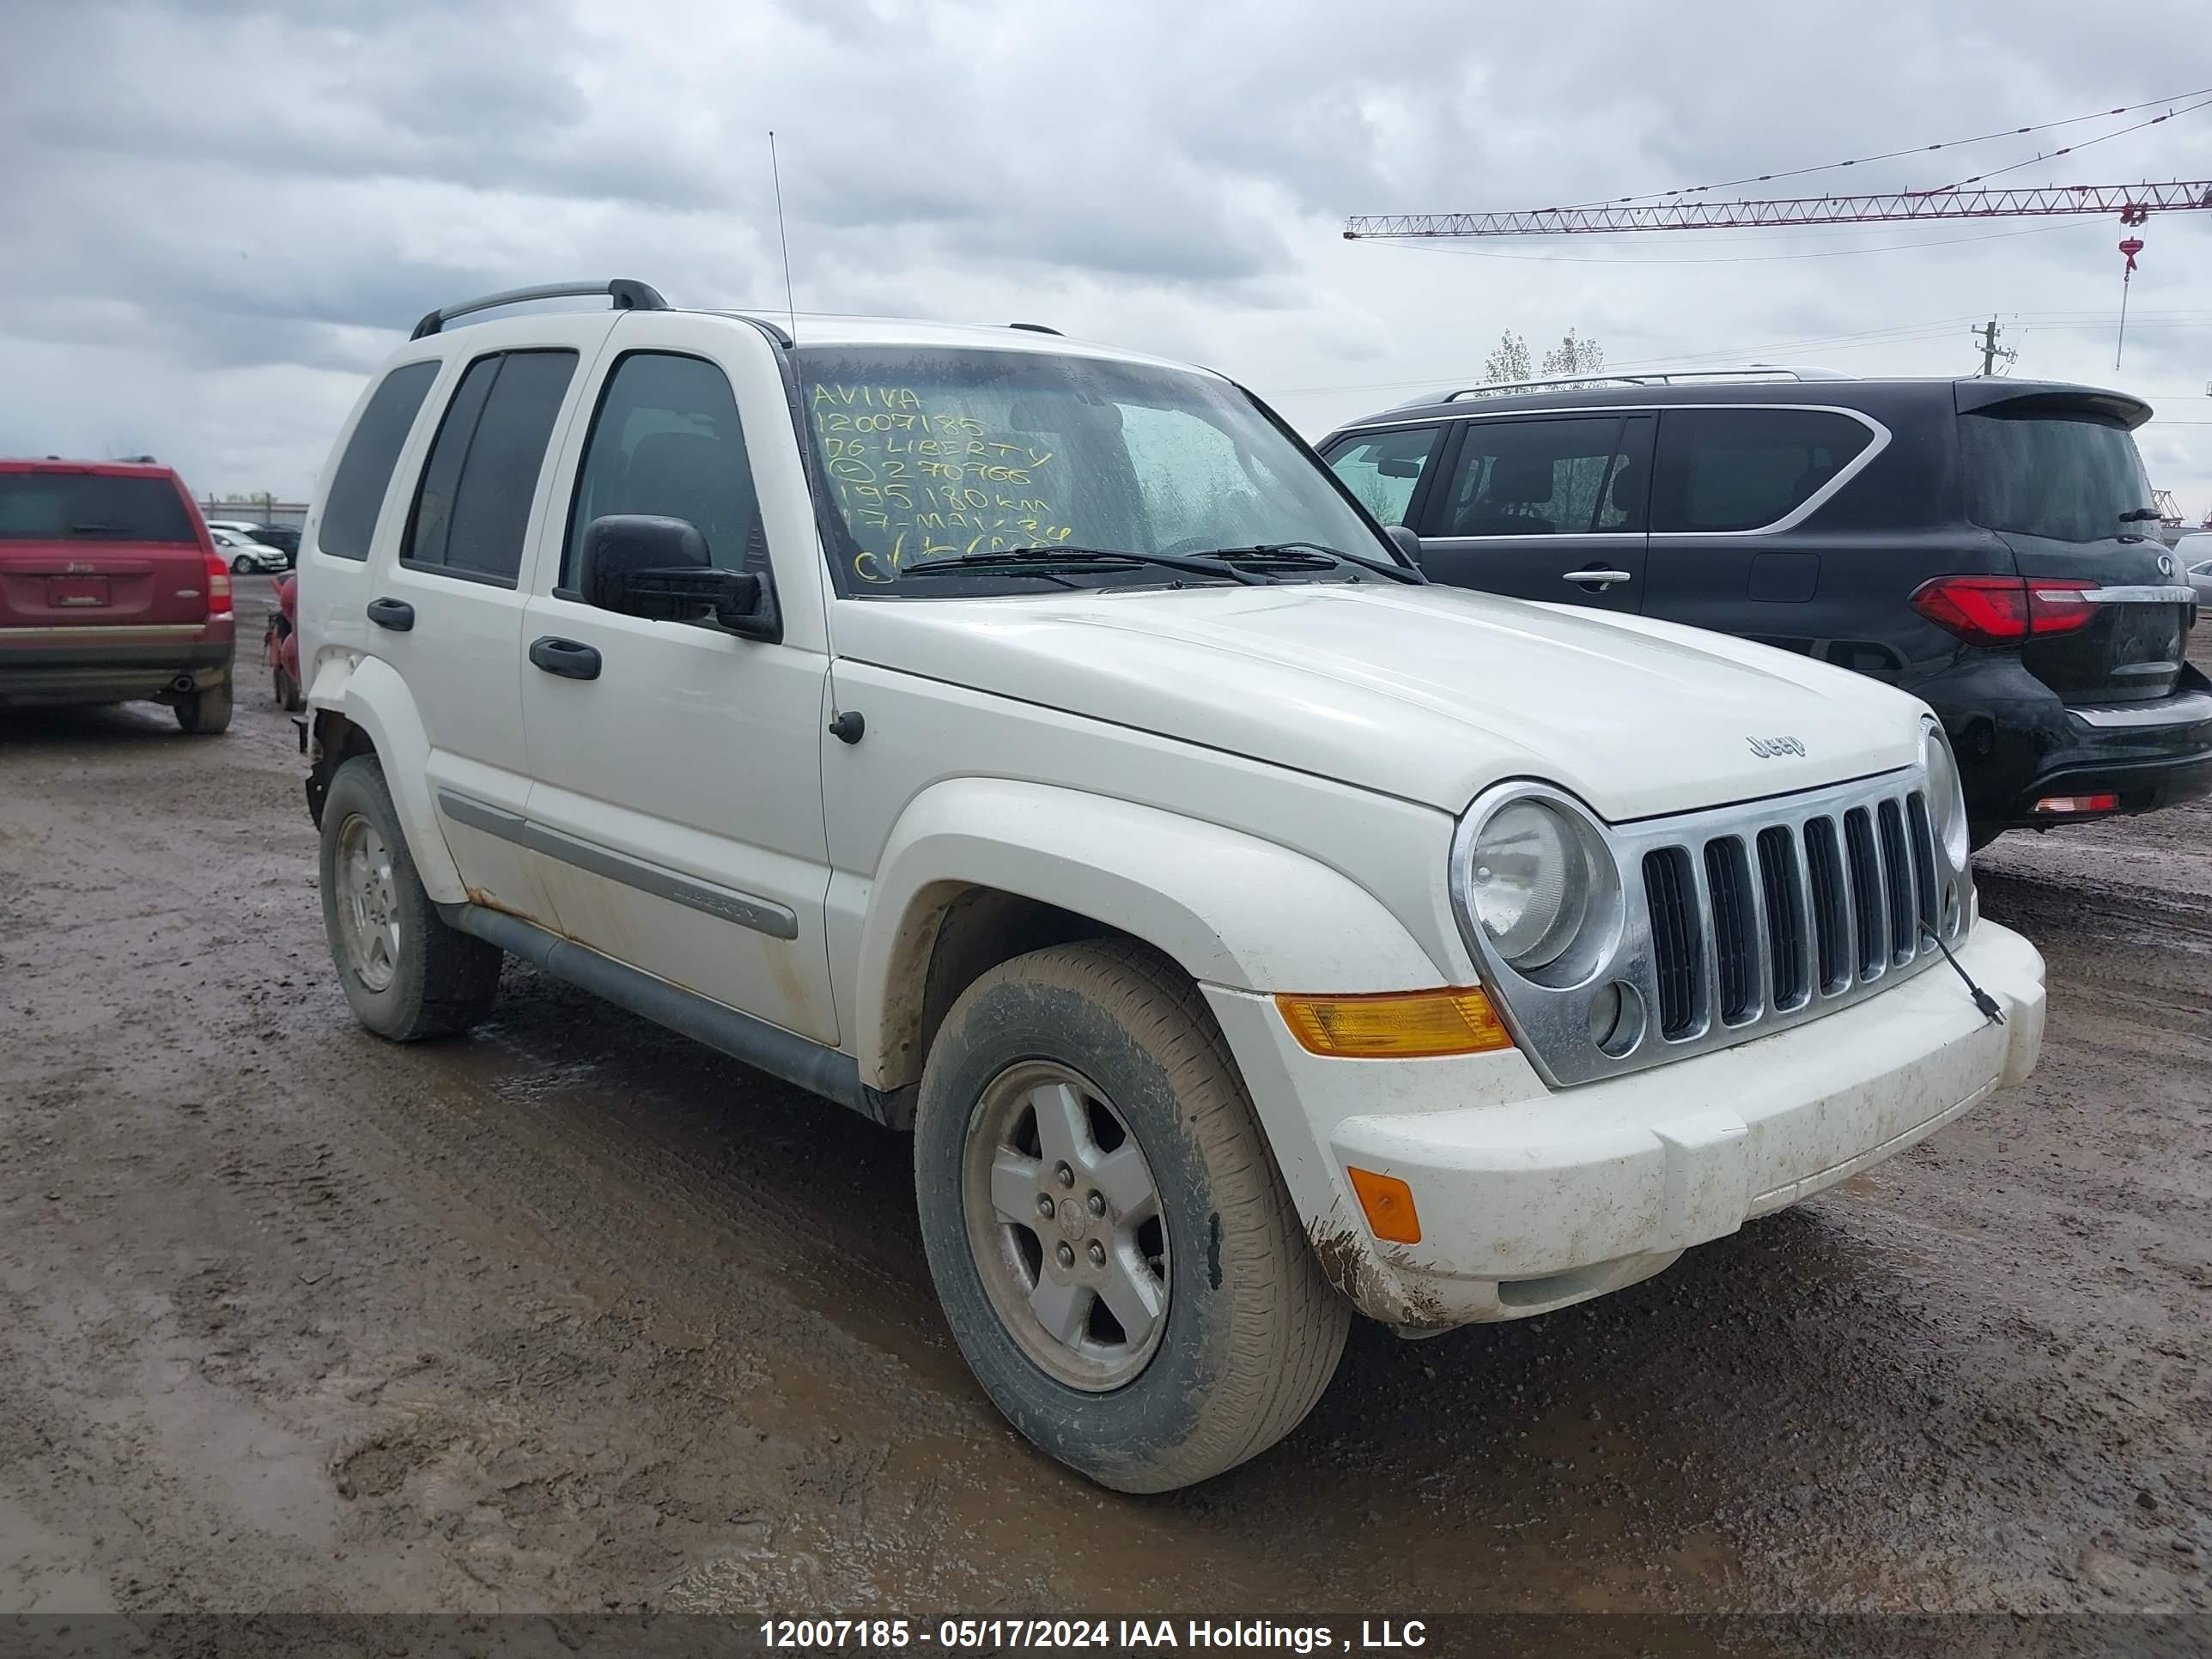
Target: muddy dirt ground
x=575, y=1315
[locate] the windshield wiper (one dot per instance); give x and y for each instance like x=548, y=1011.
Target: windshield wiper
x=1051, y=561
x=1314, y=552
x=2139, y=516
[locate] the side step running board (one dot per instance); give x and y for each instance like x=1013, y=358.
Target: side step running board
x=781, y=1054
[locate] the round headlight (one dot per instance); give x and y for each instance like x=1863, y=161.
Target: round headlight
x=1530, y=883
x=1946, y=801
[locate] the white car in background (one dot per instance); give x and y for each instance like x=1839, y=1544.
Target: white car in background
x=244, y=555
x=2193, y=553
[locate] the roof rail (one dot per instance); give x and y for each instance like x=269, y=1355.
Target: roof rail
x=628, y=295
x=1034, y=328
x=1663, y=377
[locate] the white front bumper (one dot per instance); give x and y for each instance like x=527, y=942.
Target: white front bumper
x=1536, y=1198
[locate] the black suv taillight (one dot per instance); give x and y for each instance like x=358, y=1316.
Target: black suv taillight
x=2005, y=609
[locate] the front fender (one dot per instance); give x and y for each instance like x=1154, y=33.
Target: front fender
x=369, y=692
x=1229, y=909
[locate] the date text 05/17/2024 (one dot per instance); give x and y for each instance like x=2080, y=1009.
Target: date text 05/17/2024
x=1097, y=1634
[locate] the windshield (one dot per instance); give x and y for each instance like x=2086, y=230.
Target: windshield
x=2069, y=479
x=933, y=453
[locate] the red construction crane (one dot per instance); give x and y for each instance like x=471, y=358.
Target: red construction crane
x=2133, y=203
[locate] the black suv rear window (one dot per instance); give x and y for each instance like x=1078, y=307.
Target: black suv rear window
x=1744, y=469
x=91, y=506
x=2071, y=478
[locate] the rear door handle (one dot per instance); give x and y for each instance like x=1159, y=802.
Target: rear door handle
x=397, y=615
x=566, y=657
x=1597, y=578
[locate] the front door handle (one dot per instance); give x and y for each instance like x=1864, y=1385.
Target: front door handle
x=397, y=615
x=1597, y=578
x=566, y=657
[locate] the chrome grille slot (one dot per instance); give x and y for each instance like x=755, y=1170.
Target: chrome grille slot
x=1864, y=865
x=1832, y=911
x=1782, y=892
x=1736, y=955
x=1674, y=939
x=1930, y=906
x=1897, y=881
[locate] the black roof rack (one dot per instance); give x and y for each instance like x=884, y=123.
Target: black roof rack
x=627, y=293
x=1035, y=328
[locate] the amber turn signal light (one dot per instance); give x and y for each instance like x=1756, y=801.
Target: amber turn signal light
x=1395, y=1024
x=1388, y=1203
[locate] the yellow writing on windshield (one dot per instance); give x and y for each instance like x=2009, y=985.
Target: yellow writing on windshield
x=917, y=481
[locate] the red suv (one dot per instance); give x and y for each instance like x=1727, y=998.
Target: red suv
x=111, y=592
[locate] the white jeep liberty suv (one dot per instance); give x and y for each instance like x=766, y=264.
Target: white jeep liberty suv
x=1032, y=745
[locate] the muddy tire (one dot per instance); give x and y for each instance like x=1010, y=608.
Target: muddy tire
x=287, y=692
x=204, y=712
x=1152, y=1320
x=405, y=972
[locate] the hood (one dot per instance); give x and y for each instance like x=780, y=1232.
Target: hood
x=1430, y=694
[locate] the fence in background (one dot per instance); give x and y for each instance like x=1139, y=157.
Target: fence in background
x=259, y=509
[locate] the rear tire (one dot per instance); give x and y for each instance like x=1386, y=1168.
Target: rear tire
x=206, y=711
x=1234, y=1333
x=405, y=972
x=288, y=694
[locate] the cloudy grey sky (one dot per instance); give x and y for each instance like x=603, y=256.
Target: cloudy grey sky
x=221, y=214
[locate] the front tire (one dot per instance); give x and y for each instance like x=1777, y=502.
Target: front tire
x=288, y=692
x=240, y=565
x=405, y=972
x=1166, y=1320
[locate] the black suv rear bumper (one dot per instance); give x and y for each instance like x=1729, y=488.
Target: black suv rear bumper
x=2018, y=744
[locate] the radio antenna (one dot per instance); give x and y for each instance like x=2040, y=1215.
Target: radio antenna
x=790, y=305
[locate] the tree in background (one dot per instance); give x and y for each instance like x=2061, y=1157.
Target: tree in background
x=1573, y=356
x=1509, y=361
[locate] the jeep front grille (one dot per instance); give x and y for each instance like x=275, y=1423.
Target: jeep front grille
x=1727, y=951
x=1744, y=919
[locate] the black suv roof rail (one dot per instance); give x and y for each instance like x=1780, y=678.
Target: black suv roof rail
x=1664, y=377
x=628, y=295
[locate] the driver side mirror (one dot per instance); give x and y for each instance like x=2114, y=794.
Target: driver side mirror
x=1408, y=542
x=640, y=564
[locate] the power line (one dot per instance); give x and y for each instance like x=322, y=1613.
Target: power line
x=2100, y=138
x=1916, y=149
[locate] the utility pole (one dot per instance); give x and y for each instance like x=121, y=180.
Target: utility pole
x=1987, y=335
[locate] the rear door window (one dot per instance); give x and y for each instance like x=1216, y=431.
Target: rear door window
x=1383, y=469
x=1545, y=477
x=91, y=506
x=357, y=495
x=2069, y=479
x=472, y=507
x=1747, y=469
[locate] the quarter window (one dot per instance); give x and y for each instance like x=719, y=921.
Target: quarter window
x=1744, y=469
x=473, y=508
x=667, y=441
x=1561, y=478
x=1383, y=468
x=357, y=494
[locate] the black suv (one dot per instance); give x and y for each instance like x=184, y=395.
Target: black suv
x=1980, y=543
